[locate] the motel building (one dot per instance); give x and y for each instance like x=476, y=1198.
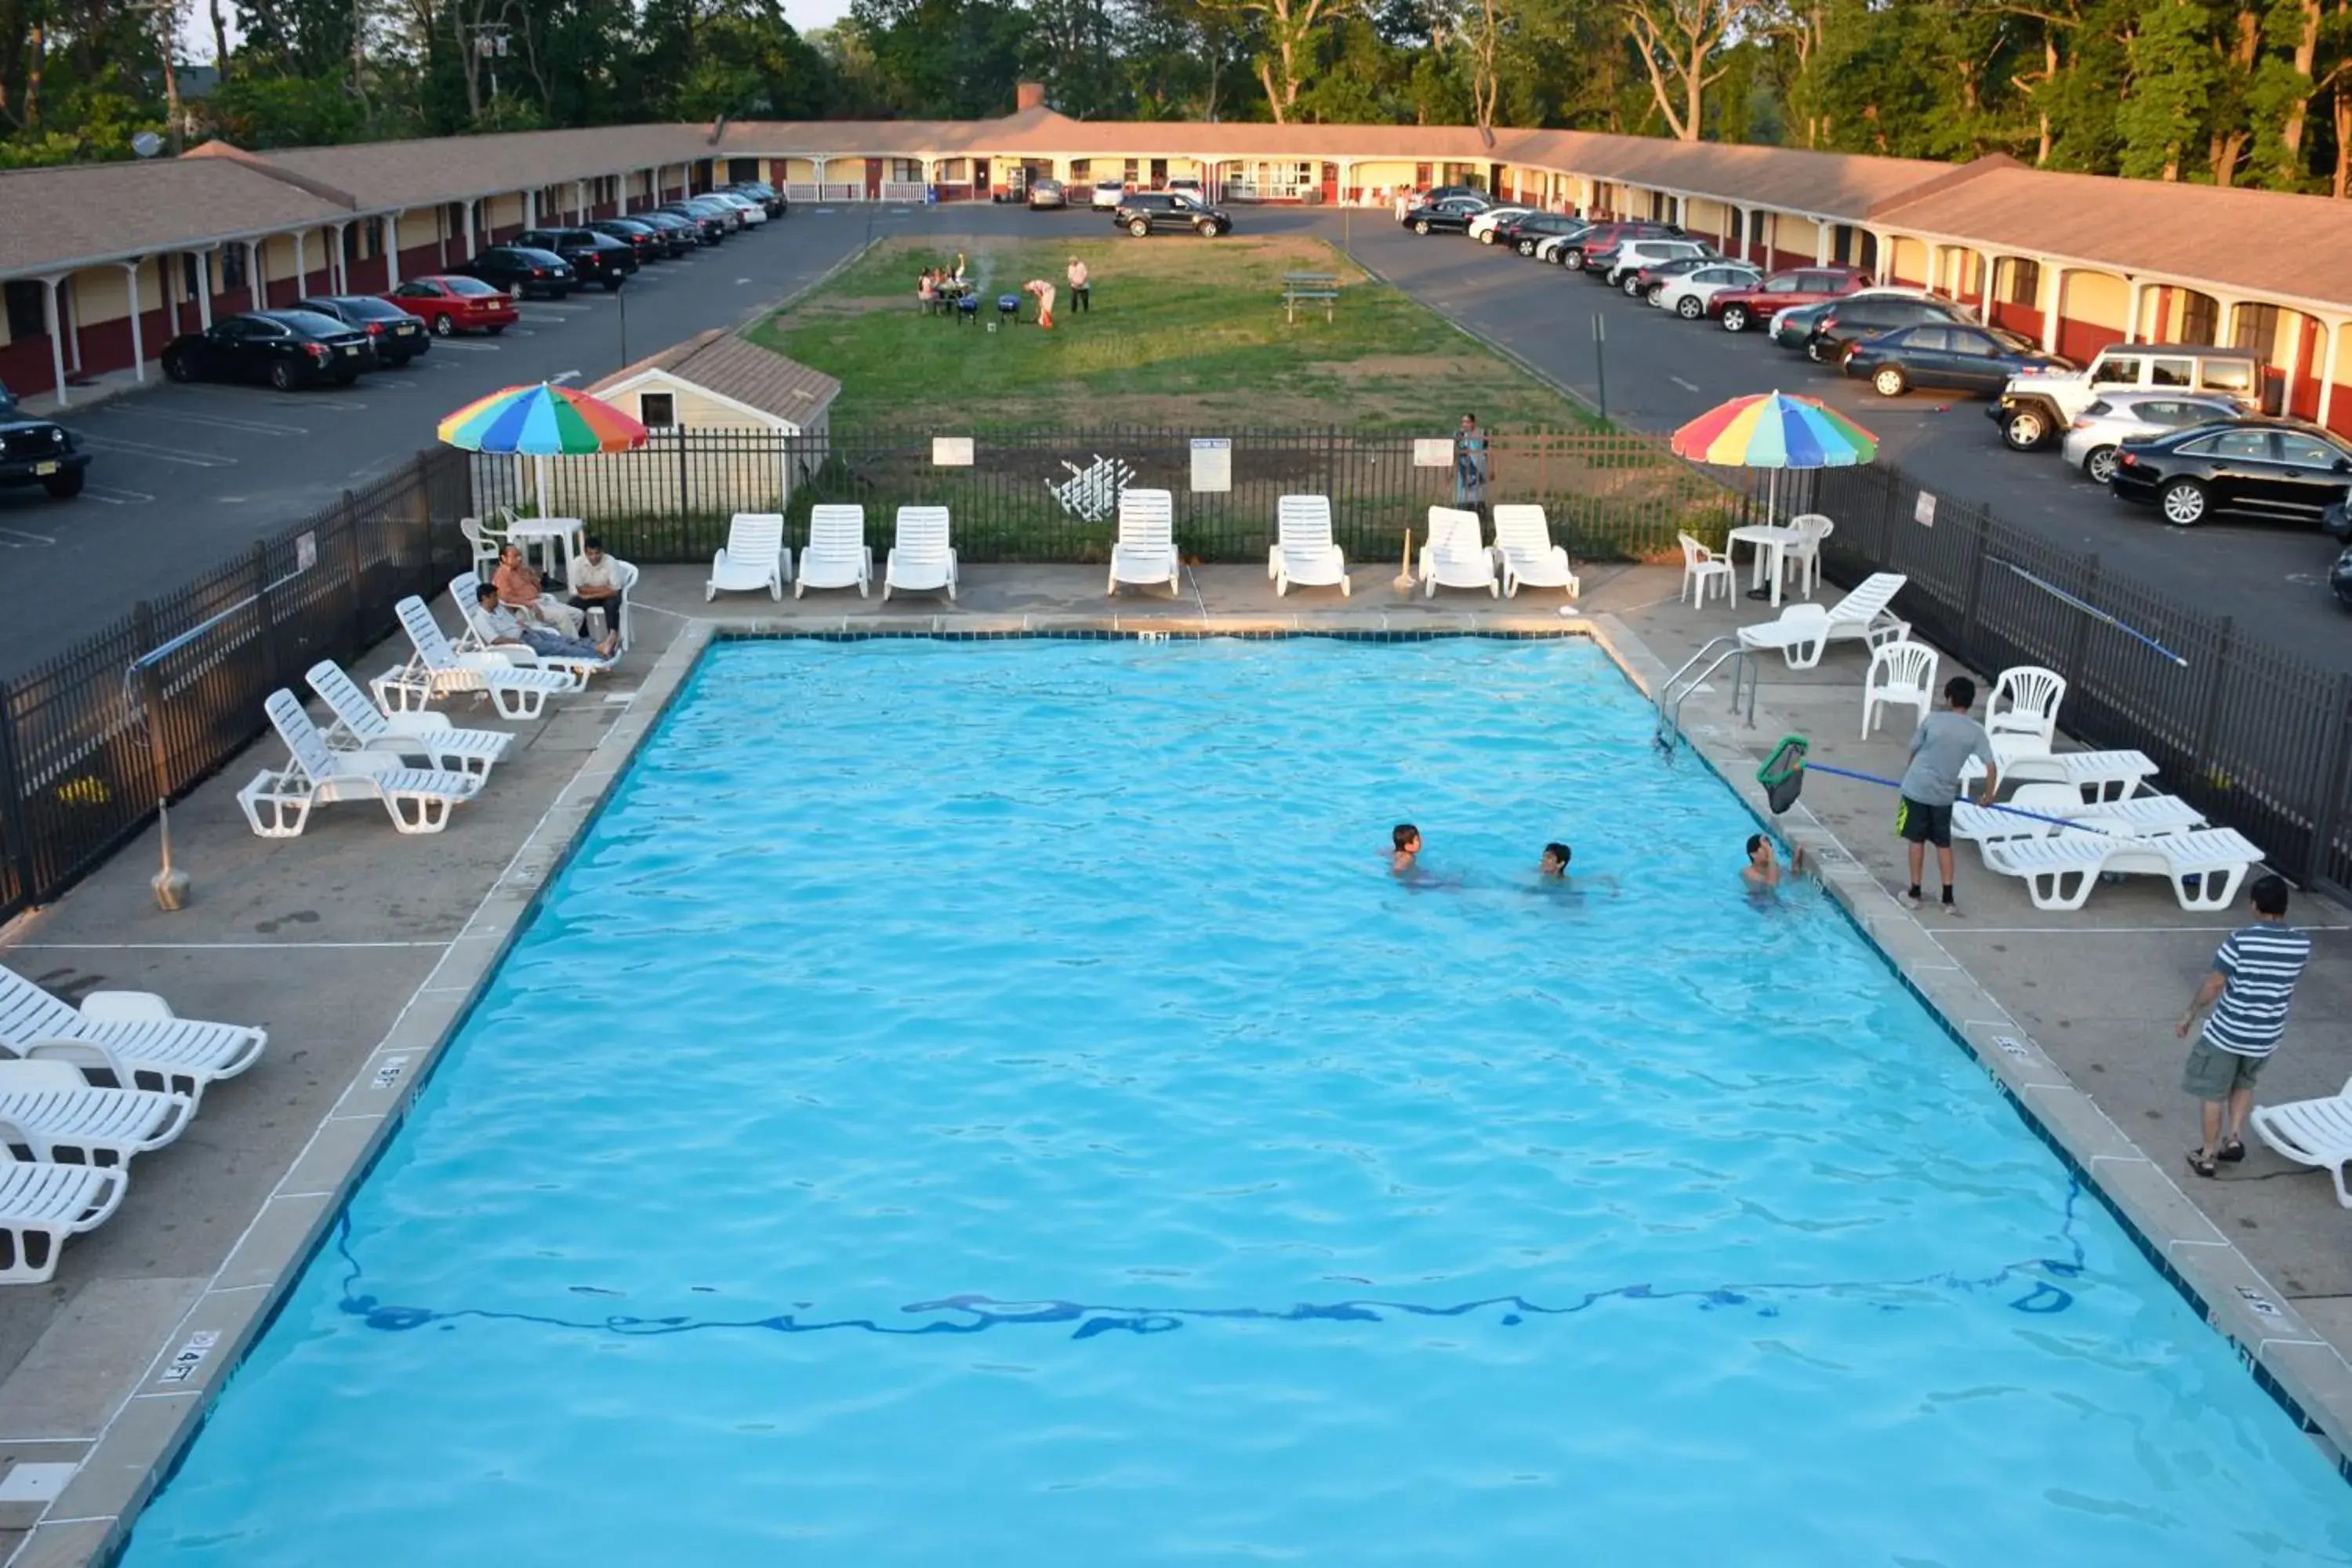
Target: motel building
x=102, y=265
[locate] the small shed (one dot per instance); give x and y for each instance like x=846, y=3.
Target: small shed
x=730, y=426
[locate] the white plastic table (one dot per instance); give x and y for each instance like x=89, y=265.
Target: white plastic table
x=547, y=536
x=1770, y=541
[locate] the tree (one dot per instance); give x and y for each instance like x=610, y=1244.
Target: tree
x=1289, y=28
x=1681, y=44
x=1484, y=38
x=2171, y=79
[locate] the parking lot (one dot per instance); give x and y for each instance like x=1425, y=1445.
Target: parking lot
x=186, y=475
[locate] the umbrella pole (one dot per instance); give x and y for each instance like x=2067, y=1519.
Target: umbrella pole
x=540, y=462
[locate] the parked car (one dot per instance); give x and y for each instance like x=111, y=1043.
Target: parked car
x=2339, y=579
x=522, y=271
x=709, y=228
x=1685, y=293
x=1524, y=233
x=1951, y=355
x=1440, y=193
x=767, y=195
x=450, y=304
x=285, y=348
x=1187, y=187
x=1048, y=194
x=2098, y=433
x=399, y=335
x=1740, y=309
x=2033, y=411
x=1577, y=254
x=1482, y=226
x=1450, y=216
x=728, y=218
x=1845, y=323
x=644, y=240
x=1109, y=194
x=1144, y=212
x=1556, y=248
x=35, y=451
x=2336, y=520
x=2253, y=465
x=1632, y=255
x=751, y=213
x=593, y=258
x=1792, y=327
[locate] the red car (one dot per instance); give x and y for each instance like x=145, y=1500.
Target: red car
x=1740, y=309
x=455, y=304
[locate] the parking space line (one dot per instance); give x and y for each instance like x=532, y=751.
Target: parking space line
x=559, y=305
x=218, y=421
x=161, y=454
x=17, y=539
x=115, y=495
x=469, y=348
x=546, y=320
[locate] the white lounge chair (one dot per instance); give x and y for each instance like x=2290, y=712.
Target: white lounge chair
x=360, y=726
x=1303, y=555
x=2061, y=868
x=1455, y=555
x=155, y=1047
x=1702, y=569
x=436, y=669
x=1901, y=673
x=2023, y=707
x=278, y=801
x=2100, y=775
x=921, y=561
x=1803, y=632
x=2308, y=1131
x=753, y=557
x=2054, y=805
x=1523, y=548
x=1145, y=553
x=478, y=637
x=83, y=1124
x=837, y=555
x=42, y=1203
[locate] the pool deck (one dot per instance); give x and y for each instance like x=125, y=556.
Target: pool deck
x=360, y=950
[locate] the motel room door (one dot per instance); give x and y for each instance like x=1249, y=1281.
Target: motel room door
x=1330, y=185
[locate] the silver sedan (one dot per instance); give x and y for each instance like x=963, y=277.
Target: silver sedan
x=2117, y=416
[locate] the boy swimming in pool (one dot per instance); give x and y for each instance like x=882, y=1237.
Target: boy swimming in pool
x=1404, y=841
x=1761, y=875
x=1551, y=872
x=1554, y=865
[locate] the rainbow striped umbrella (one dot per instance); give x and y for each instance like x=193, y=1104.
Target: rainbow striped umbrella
x=542, y=421
x=1773, y=430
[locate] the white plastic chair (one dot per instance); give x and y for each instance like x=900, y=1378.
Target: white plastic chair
x=1146, y=551
x=278, y=801
x=921, y=561
x=436, y=669
x=484, y=540
x=1805, y=553
x=83, y=1123
x=1456, y=556
x=837, y=555
x=2023, y=707
x=2308, y=1131
x=1524, y=549
x=1900, y=672
x=1702, y=569
x=42, y=1203
x=137, y=1029
x=360, y=726
x=753, y=557
x=1303, y=555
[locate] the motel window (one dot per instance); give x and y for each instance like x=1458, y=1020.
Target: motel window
x=658, y=410
x=2256, y=329
x=1082, y=168
x=192, y=280
x=953, y=172
x=232, y=267
x=2021, y=282
x=2200, y=317
x=1134, y=171
x=28, y=318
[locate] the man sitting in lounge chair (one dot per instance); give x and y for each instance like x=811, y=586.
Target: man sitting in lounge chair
x=519, y=589
x=505, y=628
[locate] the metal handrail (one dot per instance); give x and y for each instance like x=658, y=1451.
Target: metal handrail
x=1683, y=682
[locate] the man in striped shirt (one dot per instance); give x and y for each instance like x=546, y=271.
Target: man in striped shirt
x=2253, y=980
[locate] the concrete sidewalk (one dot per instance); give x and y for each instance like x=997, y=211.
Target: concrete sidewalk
x=350, y=942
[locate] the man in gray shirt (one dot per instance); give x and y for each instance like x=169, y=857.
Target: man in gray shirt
x=1943, y=746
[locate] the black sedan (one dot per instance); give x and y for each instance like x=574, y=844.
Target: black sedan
x=522, y=272
x=1848, y=321
x=2255, y=467
x=646, y=242
x=1524, y=233
x=593, y=258
x=285, y=348
x=709, y=228
x=398, y=336
x=1451, y=215
x=1952, y=355
x=680, y=236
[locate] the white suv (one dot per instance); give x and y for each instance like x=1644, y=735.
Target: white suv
x=2032, y=410
x=1635, y=253
x=1108, y=194
x=1686, y=293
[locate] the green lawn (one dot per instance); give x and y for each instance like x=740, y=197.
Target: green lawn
x=1184, y=333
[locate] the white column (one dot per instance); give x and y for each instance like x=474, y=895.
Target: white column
x=820, y=179
x=301, y=268
x=204, y=290
x=337, y=278
x=2328, y=362
x=530, y=207
x=138, y=335
x=256, y=284
x=1822, y=231
x=57, y=340
x=2053, y=295
x=470, y=252
x=1682, y=212
x=392, y=250
x=579, y=201
x=2132, y=314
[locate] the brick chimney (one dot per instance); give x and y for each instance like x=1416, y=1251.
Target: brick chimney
x=1028, y=95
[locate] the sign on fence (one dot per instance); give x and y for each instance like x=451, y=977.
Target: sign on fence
x=1923, y=510
x=951, y=451
x=306, y=550
x=1212, y=464
x=1432, y=452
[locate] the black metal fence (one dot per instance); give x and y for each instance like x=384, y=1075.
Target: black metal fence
x=2254, y=736
x=1051, y=495
x=81, y=766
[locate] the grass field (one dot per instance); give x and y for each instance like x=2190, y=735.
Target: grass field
x=1184, y=333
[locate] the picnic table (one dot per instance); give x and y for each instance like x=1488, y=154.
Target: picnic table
x=1309, y=288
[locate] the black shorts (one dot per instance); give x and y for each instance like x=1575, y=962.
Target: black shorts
x=1924, y=823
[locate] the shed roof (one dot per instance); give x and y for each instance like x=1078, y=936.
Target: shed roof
x=741, y=371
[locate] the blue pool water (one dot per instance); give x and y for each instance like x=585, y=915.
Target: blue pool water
x=981, y=1102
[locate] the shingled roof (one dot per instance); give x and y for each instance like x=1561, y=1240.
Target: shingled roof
x=742, y=372
x=58, y=220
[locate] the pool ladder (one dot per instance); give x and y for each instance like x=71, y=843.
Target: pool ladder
x=1684, y=681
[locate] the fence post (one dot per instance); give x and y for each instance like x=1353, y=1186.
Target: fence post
x=356, y=576
x=2328, y=806
x=2081, y=648
x=2210, y=719
x=265, y=615
x=1976, y=577
x=143, y=636
x=14, y=839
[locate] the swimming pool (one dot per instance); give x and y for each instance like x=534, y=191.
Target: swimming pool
x=982, y=1098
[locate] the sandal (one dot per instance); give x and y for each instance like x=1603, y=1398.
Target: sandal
x=2203, y=1164
x=2233, y=1151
